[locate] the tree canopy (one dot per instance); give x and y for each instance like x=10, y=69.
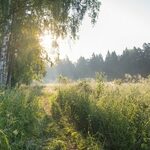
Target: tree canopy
x=21, y=24
x=134, y=61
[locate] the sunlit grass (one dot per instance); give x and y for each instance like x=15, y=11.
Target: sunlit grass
x=92, y=115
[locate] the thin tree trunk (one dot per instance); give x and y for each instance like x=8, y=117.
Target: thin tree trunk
x=3, y=59
x=4, y=48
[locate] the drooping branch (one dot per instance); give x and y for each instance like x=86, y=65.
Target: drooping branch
x=22, y=23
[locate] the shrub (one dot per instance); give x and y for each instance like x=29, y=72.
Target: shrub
x=118, y=118
x=99, y=84
x=19, y=118
x=62, y=79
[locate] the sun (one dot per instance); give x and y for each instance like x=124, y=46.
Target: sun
x=46, y=41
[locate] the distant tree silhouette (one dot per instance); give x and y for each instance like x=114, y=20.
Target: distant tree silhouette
x=96, y=64
x=134, y=61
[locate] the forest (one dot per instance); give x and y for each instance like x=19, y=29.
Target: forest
x=134, y=62
x=90, y=107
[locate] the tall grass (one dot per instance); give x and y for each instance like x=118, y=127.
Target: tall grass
x=27, y=124
x=80, y=116
x=20, y=118
x=119, y=117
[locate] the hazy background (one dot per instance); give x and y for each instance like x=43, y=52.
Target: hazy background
x=121, y=24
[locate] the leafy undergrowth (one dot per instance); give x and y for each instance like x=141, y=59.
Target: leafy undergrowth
x=117, y=116
x=27, y=123
x=76, y=117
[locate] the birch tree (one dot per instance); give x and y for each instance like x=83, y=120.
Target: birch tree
x=23, y=21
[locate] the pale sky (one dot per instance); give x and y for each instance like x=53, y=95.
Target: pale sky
x=121, y=24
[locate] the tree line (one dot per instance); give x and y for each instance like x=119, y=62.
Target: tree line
x=132, y=61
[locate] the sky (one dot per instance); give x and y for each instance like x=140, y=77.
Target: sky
x=121, y=24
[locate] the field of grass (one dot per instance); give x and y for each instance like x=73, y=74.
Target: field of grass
x=79, y=116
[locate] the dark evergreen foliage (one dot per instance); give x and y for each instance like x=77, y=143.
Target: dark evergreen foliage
x=132, y=61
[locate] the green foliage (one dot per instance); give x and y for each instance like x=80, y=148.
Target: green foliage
x=77, y=110
x=20, y=118
x=100, y=84
x=4, y=141
x=118, y=81
x=22, y=22
x=134, y=61
x=119, y=118
x=57, y=145
x=56, y=111
x=24, y=123
x=62, y=79
x=84, y=87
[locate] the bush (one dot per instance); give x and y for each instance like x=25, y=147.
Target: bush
x=20, y=119
x=99, y=84
x=119, y=119
x=84, y=87
x=62, y=79
x=76, y=106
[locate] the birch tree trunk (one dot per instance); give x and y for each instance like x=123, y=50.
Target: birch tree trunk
x=5, y=42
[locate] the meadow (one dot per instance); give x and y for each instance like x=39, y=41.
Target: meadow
x=84, y=115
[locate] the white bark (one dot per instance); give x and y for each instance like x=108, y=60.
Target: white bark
x=4, y=50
